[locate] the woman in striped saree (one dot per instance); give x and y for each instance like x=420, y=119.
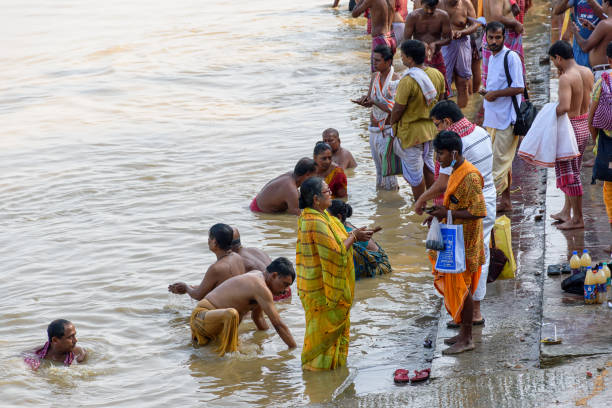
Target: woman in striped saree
x=325, y=277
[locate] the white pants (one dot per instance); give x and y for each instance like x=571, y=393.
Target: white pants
x=378, y=142
x=487, y=227
x=414, y=158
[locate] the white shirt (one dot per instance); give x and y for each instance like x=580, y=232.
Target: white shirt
x=477, y=149
x=500, y=113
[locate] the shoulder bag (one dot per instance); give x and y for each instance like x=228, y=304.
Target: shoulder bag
x=526, y=113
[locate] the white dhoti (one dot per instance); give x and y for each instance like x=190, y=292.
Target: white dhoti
x=487, y=227
x=378, y=142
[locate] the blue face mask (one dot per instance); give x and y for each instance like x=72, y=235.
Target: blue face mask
x=454, y=160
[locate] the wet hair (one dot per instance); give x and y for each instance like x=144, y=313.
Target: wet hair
x=414, y=49
x=448, y=140
x=446, y=109
x=562, y=49
x=495, y=26
x=308, y=190
x=304, y=166
x=236, y=243
x=57, y=328
x=223, y=234
x=282, y=266
x=385, y=52
x=340, y=209
x=320, y=147
x=429, y=3
x=331, y=131
x=609, y=50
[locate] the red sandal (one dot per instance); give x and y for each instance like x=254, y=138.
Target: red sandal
x=401, y=376
x=420, y=375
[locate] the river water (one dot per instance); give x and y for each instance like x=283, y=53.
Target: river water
x=129, y=128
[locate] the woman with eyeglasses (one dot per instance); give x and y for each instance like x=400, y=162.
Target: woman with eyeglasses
x=325, y=277
x=334, y=176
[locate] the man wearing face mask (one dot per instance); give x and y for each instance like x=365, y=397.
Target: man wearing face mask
x=499, y=112
x=464, y=199
x=477, y=149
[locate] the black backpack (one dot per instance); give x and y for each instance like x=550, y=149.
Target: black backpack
x=526, y=113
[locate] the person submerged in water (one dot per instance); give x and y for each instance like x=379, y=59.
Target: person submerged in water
x=340, y=155
x=281, y=193
x=218, y=315
x=254, y=259
x=228, y=264
x=330, y=172
x=60, y=346
x=368, y=257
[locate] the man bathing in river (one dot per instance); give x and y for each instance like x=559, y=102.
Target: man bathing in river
x=60, y=346
x=254, y=259
x=381, y=14
x=281, y=193
x=431, y=26
x=228, y=264
x=458, y=54
x=218, y=315
x=340, y=155
x=575, y=86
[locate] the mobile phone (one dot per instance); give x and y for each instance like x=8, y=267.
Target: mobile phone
x=429, y=210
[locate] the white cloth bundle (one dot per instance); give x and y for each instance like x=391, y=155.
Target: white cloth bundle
x=549, y=139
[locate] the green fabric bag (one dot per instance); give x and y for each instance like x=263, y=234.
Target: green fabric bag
x=391, y=163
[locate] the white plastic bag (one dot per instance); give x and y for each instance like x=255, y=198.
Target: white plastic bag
x=452, y=258
x=434, y=236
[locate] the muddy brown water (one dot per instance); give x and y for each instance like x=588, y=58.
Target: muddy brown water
x=129, y=128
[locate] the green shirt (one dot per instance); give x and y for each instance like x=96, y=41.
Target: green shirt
x=415, y=126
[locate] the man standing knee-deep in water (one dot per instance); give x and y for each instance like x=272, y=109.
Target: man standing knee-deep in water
x=381, y=14
x=430, y=25
x=458, y=54
x=60, y=346
x=575, y=86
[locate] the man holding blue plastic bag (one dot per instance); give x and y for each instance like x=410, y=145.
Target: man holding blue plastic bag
x=457, y=268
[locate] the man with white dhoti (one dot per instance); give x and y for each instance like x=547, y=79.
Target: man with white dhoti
x=381, y=99
x=478, y=150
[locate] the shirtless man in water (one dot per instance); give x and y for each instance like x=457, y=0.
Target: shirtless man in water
x=60, y=346
x=431, y=26
x=458, y=54
x=281, y=193
x=575, y=86
x=340, y=155
x=221, y=311
x=228, y=265
x=381, y=14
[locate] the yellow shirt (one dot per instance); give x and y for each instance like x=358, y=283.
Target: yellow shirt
x=415, y=126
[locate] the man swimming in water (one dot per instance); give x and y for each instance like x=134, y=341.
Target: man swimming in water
x=340, y=155
x=228, y=264
x=281, y=194
x=218, y=315
x=60, y=346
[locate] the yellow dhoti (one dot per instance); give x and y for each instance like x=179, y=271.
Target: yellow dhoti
x=505, y=143
x=209, y=323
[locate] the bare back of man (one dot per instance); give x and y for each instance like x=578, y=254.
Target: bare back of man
x=576, y=83
x=381, y=14
x=279, y=195
x=254, y=259
x=250, y=293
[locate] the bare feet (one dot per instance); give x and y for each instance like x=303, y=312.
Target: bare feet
x=560, y=216
x=570, y=225
x=459, y=347
x=451, y=340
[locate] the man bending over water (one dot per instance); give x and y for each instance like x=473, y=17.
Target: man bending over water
x=61, y=346
x=340, y=155
x=229, y=264
x=218, y=315
x=281, y=193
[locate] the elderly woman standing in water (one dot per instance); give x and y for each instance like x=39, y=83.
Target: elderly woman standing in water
x=325, y=277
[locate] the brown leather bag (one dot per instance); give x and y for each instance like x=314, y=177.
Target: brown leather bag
x=497, y=260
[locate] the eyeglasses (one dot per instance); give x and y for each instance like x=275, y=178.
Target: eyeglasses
x=437, y=123
x=327, y=191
